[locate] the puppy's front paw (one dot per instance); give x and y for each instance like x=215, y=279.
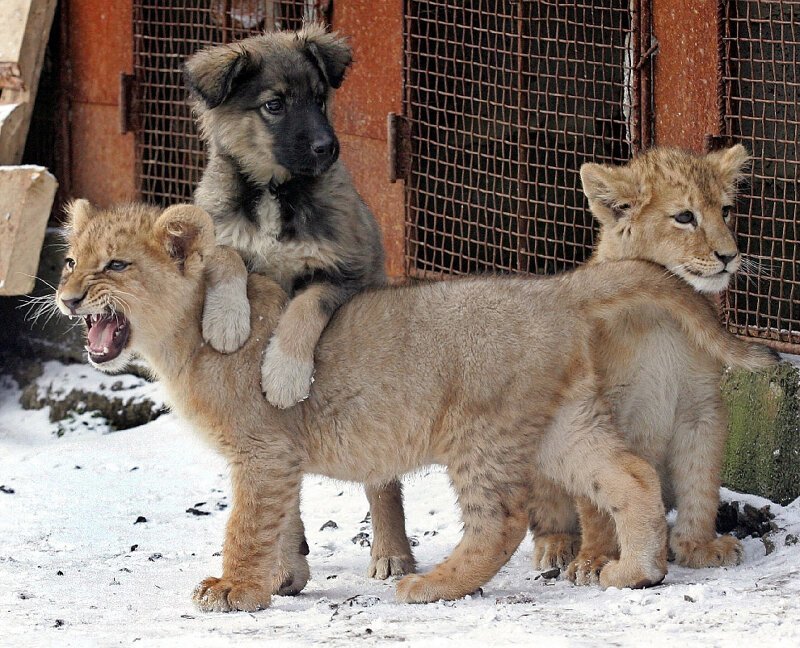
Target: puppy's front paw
x=285, y=380
x=226, y=595
x=226, y=319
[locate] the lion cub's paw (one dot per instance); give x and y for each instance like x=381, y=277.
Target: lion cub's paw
x=617, y=573
x=553, y=550
x=285, y=380
x=293, y=580
x=225, y=595
x=585, y=569
x=382, y=567
x=420, y=589
x=719, y=552
x=226, y=319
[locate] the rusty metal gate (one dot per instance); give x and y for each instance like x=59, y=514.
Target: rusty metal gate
x=505, y=101
x=170, y=156
x=760, y=92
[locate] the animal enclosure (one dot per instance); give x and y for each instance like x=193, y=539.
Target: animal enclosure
x=502, y=103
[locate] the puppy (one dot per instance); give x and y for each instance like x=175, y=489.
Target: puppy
x=279, y=195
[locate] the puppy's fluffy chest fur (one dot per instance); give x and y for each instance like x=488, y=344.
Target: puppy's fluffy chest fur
x=260, y=237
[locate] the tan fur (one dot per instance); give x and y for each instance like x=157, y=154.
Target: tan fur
x=493, y=378
x=664, y=390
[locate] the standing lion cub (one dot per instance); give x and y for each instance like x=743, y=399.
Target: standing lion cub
x=673, y=208
x=493, y=378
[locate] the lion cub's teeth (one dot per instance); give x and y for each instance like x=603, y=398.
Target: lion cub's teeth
x=105, y=349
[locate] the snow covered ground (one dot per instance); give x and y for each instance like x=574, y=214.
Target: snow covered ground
x=77, y=569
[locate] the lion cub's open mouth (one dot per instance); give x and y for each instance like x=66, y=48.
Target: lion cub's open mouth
x=106, y=335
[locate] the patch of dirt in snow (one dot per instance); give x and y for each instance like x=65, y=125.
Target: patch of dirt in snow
x=104, y=536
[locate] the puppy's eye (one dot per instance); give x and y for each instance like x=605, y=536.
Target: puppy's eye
x=115, y=265
x=69, y=264
x=685, y=218
x=321, y=102
x=726, y=213
x=274, y=106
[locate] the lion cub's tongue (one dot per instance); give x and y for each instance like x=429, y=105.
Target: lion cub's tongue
x=101, y=334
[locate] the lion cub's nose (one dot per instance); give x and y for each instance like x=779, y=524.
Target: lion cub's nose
x=73, y=302
x=726, y=258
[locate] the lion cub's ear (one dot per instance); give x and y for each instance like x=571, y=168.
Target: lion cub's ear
x=732, y=164
x=331, y=52
x=612, y=191
x=79, y=213
x=214, y=72
x=184, y=230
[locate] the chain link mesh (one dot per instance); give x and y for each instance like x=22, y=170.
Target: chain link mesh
x=506, y=100
x=761, y=90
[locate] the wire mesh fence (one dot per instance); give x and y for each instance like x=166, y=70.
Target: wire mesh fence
x=761, y=90
x=170, y=155
x=506, y=100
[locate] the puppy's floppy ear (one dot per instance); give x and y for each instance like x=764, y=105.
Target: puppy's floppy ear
x=612, y=191
x=732, y=164
x=184, y=230
x=329, y=51
x=79, y=213
x=213, y=73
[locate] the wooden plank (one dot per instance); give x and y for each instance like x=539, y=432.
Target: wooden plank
x=26, y=197
x=24, y=30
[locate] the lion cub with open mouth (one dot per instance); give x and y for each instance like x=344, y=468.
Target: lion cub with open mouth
x=493, y=378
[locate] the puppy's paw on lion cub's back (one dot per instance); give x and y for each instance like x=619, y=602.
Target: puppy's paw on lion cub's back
x=226, y=310
x=285, y=379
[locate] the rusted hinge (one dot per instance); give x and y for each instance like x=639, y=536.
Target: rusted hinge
x=127, y=103
x=399, y=140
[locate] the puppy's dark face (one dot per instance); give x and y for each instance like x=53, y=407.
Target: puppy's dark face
x=264, y=100
x=293, y=110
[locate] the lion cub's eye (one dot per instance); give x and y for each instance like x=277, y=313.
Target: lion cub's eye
x=116, y=265
x=685, y=218
x=274, y=106
x=69, y=264
x=726, y=213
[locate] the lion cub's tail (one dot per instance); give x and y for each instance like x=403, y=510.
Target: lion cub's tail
x=646, y=287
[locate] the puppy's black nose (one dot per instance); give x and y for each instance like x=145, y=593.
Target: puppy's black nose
x=725, y=258
x=323, y=146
